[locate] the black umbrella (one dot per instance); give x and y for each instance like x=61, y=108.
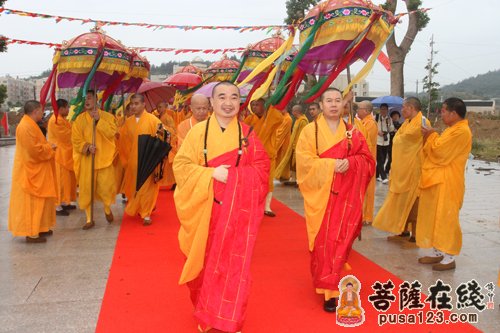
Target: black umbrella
x=151, y=152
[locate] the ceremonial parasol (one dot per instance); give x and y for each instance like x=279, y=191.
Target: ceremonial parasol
x=222, y=70
x=151, y=152
x=91, y=60
x=155, y=93
x=391, y=101
x=190, y=69
x=334, y=35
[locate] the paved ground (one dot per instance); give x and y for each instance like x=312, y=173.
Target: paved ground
x=59, y=286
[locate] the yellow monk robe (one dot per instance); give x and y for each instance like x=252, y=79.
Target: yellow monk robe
x=144, y=200
x=121, y=157
x=370, y=126
x=358, y=124
x=266, y=128
x=333, y=221
x=282, y=143
x=60, y=134
x=217, y=266
x=183, y=129
x=34, y=192
x=442, y=188
x=104, y=170
x=168, y=173
x=289, y=160
x=404, y=177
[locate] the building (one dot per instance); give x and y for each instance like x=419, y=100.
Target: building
x=18, y=90
x=361, y=89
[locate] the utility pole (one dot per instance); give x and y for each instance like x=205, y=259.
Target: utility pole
x=416, y=90
x=430, y=76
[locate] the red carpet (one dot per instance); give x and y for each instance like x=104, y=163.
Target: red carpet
x=142, y=294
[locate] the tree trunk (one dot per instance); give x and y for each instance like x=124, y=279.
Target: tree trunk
x=397, y=77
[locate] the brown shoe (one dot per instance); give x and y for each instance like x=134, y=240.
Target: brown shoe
x=444, y=267
x=269, y=213
x=36, y=240
x=88, y=225
x=46, y=233
x=109, y=217
x=147, y=222
x=430, y=260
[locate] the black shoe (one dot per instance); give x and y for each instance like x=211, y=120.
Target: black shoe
x=330, y=305
x=68, y=207
x=62, y=212
x=269, y=213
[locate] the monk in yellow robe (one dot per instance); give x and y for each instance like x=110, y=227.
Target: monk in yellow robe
x=141, y=122
x=169, y=124
x=104, y=151
x=123, y=152
x=200, y=105
x=34, y=184
x=334, y=167
x=365, y=109
x=59, y=133
x=442, y=186
x=282, y=143
x=401, y=204
x=222, y=172
x=265, y=123
x=288, y=163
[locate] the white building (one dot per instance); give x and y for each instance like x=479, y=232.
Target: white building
x=18, y=90
x=361, y=89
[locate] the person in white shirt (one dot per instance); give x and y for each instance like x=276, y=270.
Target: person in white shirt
x=385, y=127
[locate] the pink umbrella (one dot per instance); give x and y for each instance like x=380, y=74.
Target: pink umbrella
x=207, y=89
x=155, y=93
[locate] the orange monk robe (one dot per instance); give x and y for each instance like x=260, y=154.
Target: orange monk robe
x=404, y=177
x=349, y=305
x=289, y=159
x=332, y=201
x=168, y=173
x=217, y=237
x=442, y=188
x=104, y=171
x=183, y=129
x=266, y=128
x=144, y=200
x=370, y=126
x=60, y=133
x=282, y=144
x=34, y=190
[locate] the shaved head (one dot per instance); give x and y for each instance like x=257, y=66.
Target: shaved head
x=200, y=105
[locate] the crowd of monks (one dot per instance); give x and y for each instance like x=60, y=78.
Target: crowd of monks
x=223, y=164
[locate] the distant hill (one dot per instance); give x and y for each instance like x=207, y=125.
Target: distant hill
x=481, y=86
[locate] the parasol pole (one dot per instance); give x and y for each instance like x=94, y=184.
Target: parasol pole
x=351, y=115
x=92, y=176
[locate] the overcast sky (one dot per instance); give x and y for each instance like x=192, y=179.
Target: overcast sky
x=466, y=33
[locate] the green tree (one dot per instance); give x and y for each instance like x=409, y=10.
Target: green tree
x=431, y=87
x=3, y=93
x=296, y=9
x=397, y=53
